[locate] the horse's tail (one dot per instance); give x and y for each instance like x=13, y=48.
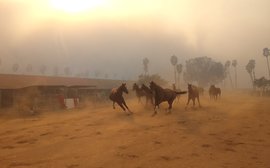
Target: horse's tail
x=182, y=92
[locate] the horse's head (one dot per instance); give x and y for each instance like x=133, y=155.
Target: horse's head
x=123, y=88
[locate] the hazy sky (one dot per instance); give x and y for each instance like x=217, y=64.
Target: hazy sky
x=113, y=36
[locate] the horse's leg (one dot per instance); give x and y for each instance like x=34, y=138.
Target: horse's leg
x=198, y=99
x=126, y=106
x=170, y=106
x=193, y=100
x=187, y=103
x=121, y=105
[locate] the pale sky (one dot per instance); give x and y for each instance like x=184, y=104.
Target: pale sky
x=113, y=36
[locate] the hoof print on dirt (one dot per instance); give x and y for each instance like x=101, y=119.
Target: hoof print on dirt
x=44, y=134
x=8, y=147
x=230, y=150
x=122, y=147
x=27, y=141
x=157, y=142
x=72, y=166
x=127, y=156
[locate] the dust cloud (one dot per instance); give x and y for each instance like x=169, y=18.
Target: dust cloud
x=223, y=133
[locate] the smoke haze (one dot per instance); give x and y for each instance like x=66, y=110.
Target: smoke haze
x=113, y=39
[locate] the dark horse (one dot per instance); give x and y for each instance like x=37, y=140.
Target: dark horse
x=214, y=92
x=148, y=94
x=193, y=93
x=139, y=92
x=162, y=95
x=117, y=96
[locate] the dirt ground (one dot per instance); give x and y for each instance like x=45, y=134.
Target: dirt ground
x=233, y=132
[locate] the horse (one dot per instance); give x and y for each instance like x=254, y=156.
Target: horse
x=162, y=95
x=116, y=95
x=214, y=92
x=148, y=94
x=193, y=93
x=139, y=92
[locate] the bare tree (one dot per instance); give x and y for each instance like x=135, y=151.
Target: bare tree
x=174, y=61
x=145, y=65
x=250, y=67
x=227, y=70
x=234, y=64
x=266, y=54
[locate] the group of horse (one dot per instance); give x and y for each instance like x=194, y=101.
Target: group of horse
x=156, y=94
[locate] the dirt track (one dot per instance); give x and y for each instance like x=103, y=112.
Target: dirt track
x=233, y=132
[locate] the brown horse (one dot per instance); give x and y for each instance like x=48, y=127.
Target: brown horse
x=148, y=94
x=162, y=95
x=214, y=92
x=117, y=96
x=193, y=93
x=139, y=92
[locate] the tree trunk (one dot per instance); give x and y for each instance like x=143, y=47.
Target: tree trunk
x=268, y=66
x=235, y=72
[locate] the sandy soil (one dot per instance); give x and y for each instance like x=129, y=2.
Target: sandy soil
x=231, y=132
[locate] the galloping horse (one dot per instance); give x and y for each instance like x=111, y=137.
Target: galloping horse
x=162, y=95
x=117, y=96
x=193, y=93
x=148, y=94
x=214, y=92
x=139, y=92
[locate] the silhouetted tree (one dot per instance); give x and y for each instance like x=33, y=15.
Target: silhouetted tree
x=234, y=64
x=266, y=54
x=145, y=65
x=228, y=72
x=204, y=71
x=250, y=67
x=174, y=61
x=179, y=68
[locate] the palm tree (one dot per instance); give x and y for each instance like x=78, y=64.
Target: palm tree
x=266, y=54
x=145, y=65
x=174, y=63
x=179, y=68
x=227, y=70
x=234, y=64
x=250, y=67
